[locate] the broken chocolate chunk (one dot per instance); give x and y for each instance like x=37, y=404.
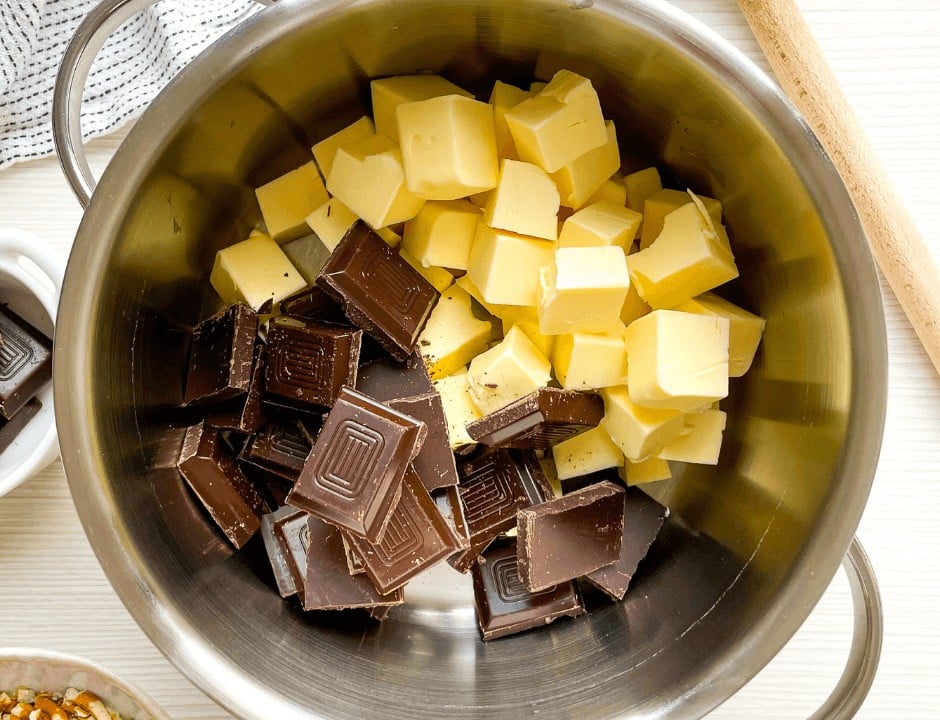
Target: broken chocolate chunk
x=309, y=362
x=211, y=471
x=281, y=447
x=10, y=429
x=388, y=379
x=435, y=462
x=505, y=606
x=539, y=420
x=353, y=475
x=244, y=414
x=570, y=536
x=283, y=577
x=221, y=356
x=378, y=290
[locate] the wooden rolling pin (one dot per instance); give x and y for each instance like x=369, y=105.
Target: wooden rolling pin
x=806, y=78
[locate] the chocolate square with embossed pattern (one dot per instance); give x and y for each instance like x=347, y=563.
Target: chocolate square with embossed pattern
x=378, y=290
x=416, y=538
x=328, y=584
x=493, y=487
x=352, y=477
x=505, y=606
x=539, y=420
x=309, y=362
x=25, y=362
x=222, y=356
x=281, y=446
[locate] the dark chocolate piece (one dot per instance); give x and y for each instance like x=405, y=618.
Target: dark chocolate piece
x=435, y=462
x=309, y=362
x=378, y=290
x=283, y=577
x=570, y=536
x=416, y=538
x=539, y=420
x=642, y=519
x=292, y=534
x=315, y=305
x=280, y=447
x=213, y=474
x=387, y=380
x=244, y=414
x=353, y=475
x=353, y=558
x=451, y=509
x=505, y=606
x=328, y=585
x=25, y=362
x=222, y=356
x=493, y=487
x=10, y=429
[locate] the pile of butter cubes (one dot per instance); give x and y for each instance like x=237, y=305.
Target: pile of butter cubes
x=553, y=267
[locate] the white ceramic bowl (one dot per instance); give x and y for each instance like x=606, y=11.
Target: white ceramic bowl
x=43, y=670
x=30, y=282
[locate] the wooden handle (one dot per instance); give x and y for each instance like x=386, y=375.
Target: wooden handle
x=806, y=78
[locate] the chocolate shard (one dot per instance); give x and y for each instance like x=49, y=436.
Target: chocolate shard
x=378, y=290
x=309, y=362
x=493, y=487
x=539, y=420
x=293, y=536
x=215, y=477
x=328, y=584
x=505, y=606
x=416, y=538
x=244, y=414
x=388, y=379
x=570, y=536
x=10, y=429
x=25, y=362
x=642, y=519
x=280, y=447
x=353, y=475
x=283, y=577
x=353, y=558
x=314, y=305
x=221, y=356
x=434, y=464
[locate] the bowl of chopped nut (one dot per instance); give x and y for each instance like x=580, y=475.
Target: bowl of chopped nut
x=52, y=685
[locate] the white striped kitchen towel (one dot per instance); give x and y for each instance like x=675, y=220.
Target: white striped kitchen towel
x=135, y=64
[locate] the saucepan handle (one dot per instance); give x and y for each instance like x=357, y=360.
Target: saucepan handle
x=88, y=39
x=852, y=689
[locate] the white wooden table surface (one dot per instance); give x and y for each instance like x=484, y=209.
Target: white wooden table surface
x=56, y=596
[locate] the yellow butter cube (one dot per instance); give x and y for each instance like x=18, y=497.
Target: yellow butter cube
x=558, y=124
x=530, y=326
x=700, y=442
x=465, y=283
x=584, y=176
x=583, y=290
x=687, y=259
x=389, y=93
x=640, y=185
x=638, y=431
x=287, y=200
x=678, y=360
x=662, y=202
x=325, y=150
x=505, y=266
x=586, y=453
x=598, y=224
x=254, y=271
x=506, y=372
x=369, y=179
x=646, y=471
x=453, y=335
x=437, y=276
x=746, y=329
x=448, y=145
x=442, y=233
x=525, y=201
x=612, y=191
x=330, y=222
x=585, y=361
x=459, y=410
x=536, y=86
x=633, y=306
x=504, y=97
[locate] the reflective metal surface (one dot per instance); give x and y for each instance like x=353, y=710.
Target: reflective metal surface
x=752, y=543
